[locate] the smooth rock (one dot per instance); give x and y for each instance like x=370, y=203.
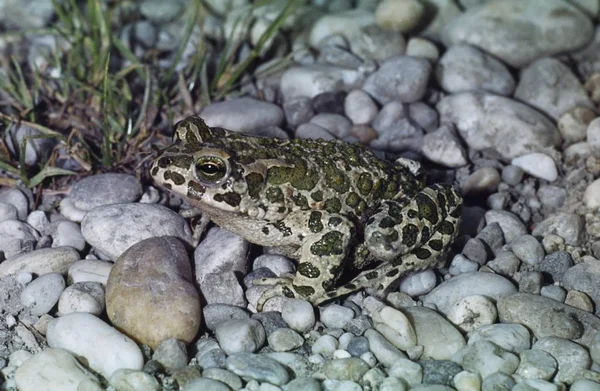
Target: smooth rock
x=258, y=367
x=574, y=123
x=298, y=314
x=346, y=23
x=421, y=47
x=546, y=317
x=242, y=115
x=40, y=295
x=550, y=86
x=127, y=379
x=591, y=196
x=399, y=15
x=67, y=233
x=391, y=323
x=104, y=348
x=51, y=370
x=466, y=68
x=16, y=198
x=444, y=296
x=444, y=147
x=401, y=78
x=240, y=335
x=386, y=353
x=419, y=283
x=42, y=261
x=284, y=340
x=150, y=293
x=514, y=338
x=215, y=314
x=512, y=227
x=536, y=364
x=351, y=368
x=569, y=226
x=312, y=80
x=85, y=296
x=97, y=190
x=572, y=358
x=172, y=354
x=91, y=270
x=528, y=249
x=336, y=316
x=487, y=121
x=485, y=358
x=519, y=32
x=537, y=164
x=472, y=312
x=112, y=229
x=360, y=108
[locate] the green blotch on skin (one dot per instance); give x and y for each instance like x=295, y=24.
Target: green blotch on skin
x=427, y=208
x=195, y=190
x=333, y=205
x=309, y=270
x=352, y=199
x=409, y=235
x=422, y=253
x=274, y=195
x=330, y=244
x=304, y=291
x=300, y=201
x=336, y=179
x=387, y=222
x=364, y=183
x=317, y=195
x=281, y=227
x=299, y=176
x=254, y=181
x=314, y=222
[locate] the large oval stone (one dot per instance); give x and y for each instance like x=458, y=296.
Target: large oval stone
x=150, y=293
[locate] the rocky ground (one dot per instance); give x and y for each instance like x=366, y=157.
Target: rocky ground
x=498, y=97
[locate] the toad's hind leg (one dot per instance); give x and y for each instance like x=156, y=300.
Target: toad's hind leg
x=423, y=254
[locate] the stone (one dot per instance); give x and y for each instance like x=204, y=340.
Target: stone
x=150, y=293
x=242, y=115
x=401, y=78
x=240, y=335
x=42, y=261
x=487, y=121
x=40, y=295
x=97, y=190
x=360, y=108
x=399, y=15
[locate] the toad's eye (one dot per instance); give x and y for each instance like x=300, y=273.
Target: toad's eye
x=211, y=169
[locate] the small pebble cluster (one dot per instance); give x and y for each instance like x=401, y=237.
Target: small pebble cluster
x=98, y=289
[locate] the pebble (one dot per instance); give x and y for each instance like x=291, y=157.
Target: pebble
x=467, y=381
x=351, y=368
x=569, y=226
x=424, y=115
x=520, y=32
x=160, y=12
x=329, y=102
x=593, y=134
x=97, y=190
x=399, y=15
x=85, y=296
x=242, y=115
x=325, y=345
x=40, y=295
x=556, y=265
x=488, y=121
x=584, y=277
x=112, y=229
x=42, y=261
x=340, y=385
x=15, y=236
x=585, y=385
x=303, y=384
x=278, y=264
x=552, y=197
x=312, y=80
x=127, y=379
x=8, y=212
x=445, y=295
x=572, y=358
x=528, y=249
x=172, y=354
x=257, y=367
x=579, y=300
x=554, y=292
x=535, y=384
x=591, y=196
x=512, y=175
x=150, y=293
x=483, y=181
x=498, y=382
x=345, y=23
x=202, y=384
x=240, y=335
x=336, y=124
x=16, y=198
x=548, y=318
x=224, y=376
x=512, y=227
x=512, y=337
x=536, y=364
x=336, y=316
x=217, y=313
x=461, y=264
x=472, y=312
x=284, y=340
x=421, y=47
x=391, y=323
x=443, y=147
x=410, y=372
x=89, y=270
x=476, y=250
x=574, y=124
x=298, y=110
x=401, y=78
x=69, y=210
x=50, y=370
x=360, y=108
x=384, y=351
x=466, y=68
x=358, y=346
x=419, y=283
x=550, y=86
x=67, y=233
x=373, y=42
x=104, y=348
x=312, y=131
x=485, y=358
x=299, y=314
x=439, y=371
x=538, y=165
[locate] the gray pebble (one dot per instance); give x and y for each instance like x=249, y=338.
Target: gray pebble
x=528, y=249
x=203, y=384
x=303, y=384
x=299, y=314
x=172, y=354
x=536, y=364
x=512, y=337
x=530, y=282
x=224, y=376
x=461, y=264
x=336, y=124
x=572, y=358
x=336, y=316
x=360, y=107
x=351, y=368
x=43, y=293
x=257, y=367
x=16, y=198
x=554, y=292
x=8, y=212
x=329, y=102
x=492, y=236
x=298, y=111
x=271, y=320
x=439, y=371
x=358, y=346
x=217, y=313
x=240, y=335
x=425, y=116
x=512, y=175
x=556, y=265
x=402, y=78
x=97, y=190
x=512, y=226
x=498, y=382
x=551, y=196
x=242, y=114
x=476, y=250
x=284, y=340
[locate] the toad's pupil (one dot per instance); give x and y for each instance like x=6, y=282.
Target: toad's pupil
x=209, y=168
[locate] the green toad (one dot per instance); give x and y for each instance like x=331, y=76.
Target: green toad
x=330, y=205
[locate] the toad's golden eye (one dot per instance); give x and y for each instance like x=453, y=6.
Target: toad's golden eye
x=211, y=169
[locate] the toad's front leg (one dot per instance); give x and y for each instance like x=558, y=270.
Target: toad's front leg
x=325, y=240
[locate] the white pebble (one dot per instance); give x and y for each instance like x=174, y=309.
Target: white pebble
x=341, y=353
x=325, y=345
x=421, y=47
x=538, y=165
x=593, y=134
x=298, y=314
x=393, y=324
x=419, y=283
x=89, y=270
x=336, y=316
x=126, y=379
x=360, y=107
x=43, y=293
x=407, y=370
x=473, y=312
x=591, y=197
x=105, y=348
x=82, y=297
x=467, y=381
